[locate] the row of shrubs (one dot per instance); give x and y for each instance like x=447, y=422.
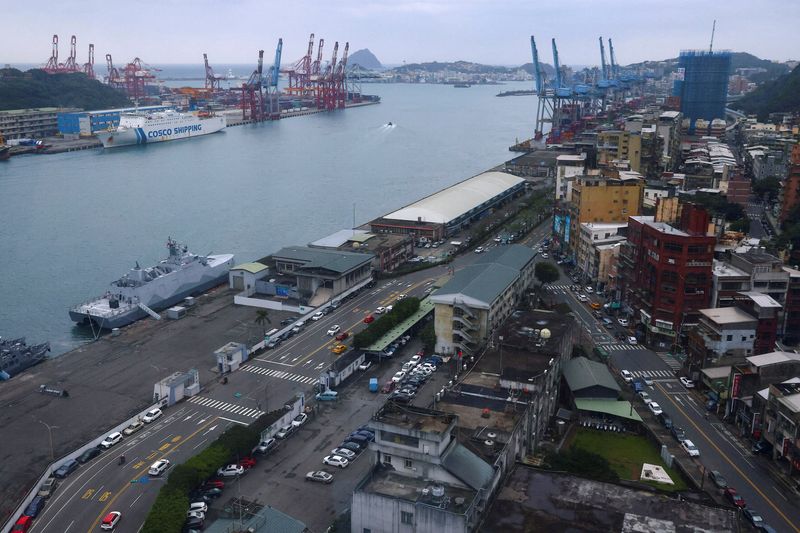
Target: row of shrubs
x=168, y=513
x=380, y=327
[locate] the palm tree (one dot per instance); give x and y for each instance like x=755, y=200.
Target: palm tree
x=262, y=319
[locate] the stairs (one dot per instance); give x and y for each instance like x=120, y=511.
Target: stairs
x=149, y=311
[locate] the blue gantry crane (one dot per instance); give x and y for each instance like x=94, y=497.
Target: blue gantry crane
x=271, y=85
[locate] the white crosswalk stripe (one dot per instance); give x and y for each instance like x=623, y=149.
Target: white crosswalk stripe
x=279, y=374
x=225, y=406
x=621, y=347
x=655, y=374
x=673, y=363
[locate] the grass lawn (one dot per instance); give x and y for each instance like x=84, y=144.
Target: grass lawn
x=626, y=454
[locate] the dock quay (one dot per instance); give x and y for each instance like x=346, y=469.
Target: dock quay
x=108, y=380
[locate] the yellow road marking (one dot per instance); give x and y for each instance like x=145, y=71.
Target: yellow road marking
x=88, y=494
x=164, y=446
x=103, y=497
x=104, y=512
x=138, y=464
x=745, y=477
x=152, y=455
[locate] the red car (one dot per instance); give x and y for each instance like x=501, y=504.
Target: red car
x=213, y=484
x=388, y=387
x=342, y=336
x=247, y=462
x=368, y=319
x=23, y=524
x=734, y=498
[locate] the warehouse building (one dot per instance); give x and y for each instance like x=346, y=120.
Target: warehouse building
x=447, y=211
x=31, y=123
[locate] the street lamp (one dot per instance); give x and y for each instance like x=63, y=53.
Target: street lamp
x=50, y=432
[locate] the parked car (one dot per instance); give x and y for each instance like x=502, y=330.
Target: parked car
x=152, y=415
x=247, y=462
x=678, y=433
x=388, y=387
x=110, y=520
x=665, y=420
x=199, y=506
x=265, y=446
x=133, y=428
x=342, y=336
x=213, y=484
x=632, y=340
x=626, y=376
x=320, y=476
x=686, y=382
x=644, y=396
x=398, y=377
x=756, y=519
x=22, y=525
x=285, y=432
x=352, y=446
x=369, y=319
x=380, y=310
x=733, y=497
x=159, y=467
x=365, y=365
x=66, y=468
x=762, y=446
x=690, y=448
x=718, y=479
x=48, y=487
x=327, y=396
x=299, y=420
x=416, y=359
x=344, y=452
x=647, y=380
x=334, y=330
x=35, y=507
x=89, y=454
x=336, y=460
x=654, y=408
x=230, y=471
x=111, y=440
x=623, y=322
x=317, y=316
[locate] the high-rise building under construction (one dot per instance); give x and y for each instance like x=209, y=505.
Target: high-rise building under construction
x=704, y=88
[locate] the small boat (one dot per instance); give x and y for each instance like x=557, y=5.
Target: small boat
x=390, y=124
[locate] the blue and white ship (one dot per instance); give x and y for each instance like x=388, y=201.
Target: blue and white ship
x=143, y=291
x=159, y=126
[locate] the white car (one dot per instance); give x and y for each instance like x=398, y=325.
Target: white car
x=647, y=380
x=589, y=289
x=299, y=324
x=407, y=366
x=151, y=415
x=380, y=310
x=688, y=383
x=645, y=397
x=627, y=376
x=401, y=297
x=299, y=420
x=334, y=330
x=544, y=255
x=623, y=322
x=111, y=440
x=158, y=468
x=317, y=316
x=365, y=365
x=690, y=448
x=416, y=359
x=479, y=249
x=389, y=308
x=133, y=428
x=632, y=340
x=285, y=432
x=336, y=460
x=655, y=408
x=199, y=506
x=344, y=452
x=196, y=514
x=397, y=378
x=583, y=298
x=230, y=471
x=320, y=476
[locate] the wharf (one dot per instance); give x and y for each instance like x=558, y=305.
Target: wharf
x=108, y=380
x=232, y=120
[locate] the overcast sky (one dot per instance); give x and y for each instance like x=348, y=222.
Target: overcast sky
x=485, y=31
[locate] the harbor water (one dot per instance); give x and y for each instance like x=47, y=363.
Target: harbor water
x=74, y=222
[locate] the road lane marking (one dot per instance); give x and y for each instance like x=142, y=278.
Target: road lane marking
x=724, y=456
x=103, y=497
x=136, y=499
x=125, y=487
x=200, y=443
x=138, y=465
x=69, y=526
x=88, y=494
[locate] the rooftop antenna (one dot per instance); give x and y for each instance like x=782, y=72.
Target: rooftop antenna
x=713, y=29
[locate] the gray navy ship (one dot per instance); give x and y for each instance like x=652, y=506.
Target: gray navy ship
x=143, y=291
x=16, y=356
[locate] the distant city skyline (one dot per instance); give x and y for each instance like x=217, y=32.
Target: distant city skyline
x=411, y=31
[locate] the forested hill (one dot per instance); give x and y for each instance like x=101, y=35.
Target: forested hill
x=781, y=95
x=36, y=88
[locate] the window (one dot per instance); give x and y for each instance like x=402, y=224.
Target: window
x=730, y=337
x=408, y=463
x=387, y=459
x=406, y=518
x=744, y=338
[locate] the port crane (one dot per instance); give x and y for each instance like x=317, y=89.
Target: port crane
x=252, y=96
x=545, y=97
x=273, y=95
x=212, y=79
x=114, y=79
x=52, y=64
x=71, y=64
x=88, y=67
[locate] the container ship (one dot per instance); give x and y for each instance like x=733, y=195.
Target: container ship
x=159, y=126
x=143, y=291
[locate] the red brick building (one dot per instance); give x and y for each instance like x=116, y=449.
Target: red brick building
x=791, y=187
x=667, y=273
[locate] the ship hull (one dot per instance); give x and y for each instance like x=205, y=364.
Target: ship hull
x=148, y=135
x=135, y=314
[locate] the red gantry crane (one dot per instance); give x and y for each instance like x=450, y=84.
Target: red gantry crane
x=252, y=95
x=113, y=79
x=52, y=63
x=136, y=76
x=88, y=67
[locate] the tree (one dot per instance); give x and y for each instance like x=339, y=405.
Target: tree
x=546, y=272
x=742, y=225
x=428, y=336
x=262, y=319
x=768, y=187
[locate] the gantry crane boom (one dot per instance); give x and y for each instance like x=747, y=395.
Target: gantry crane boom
x=604, y=72
x=537, y=68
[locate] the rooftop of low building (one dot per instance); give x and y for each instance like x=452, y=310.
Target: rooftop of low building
x=416, y=418
x=727, y=315
x=385, y=481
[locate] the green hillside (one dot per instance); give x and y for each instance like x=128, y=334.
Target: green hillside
x=781, y=95
x=36, y=88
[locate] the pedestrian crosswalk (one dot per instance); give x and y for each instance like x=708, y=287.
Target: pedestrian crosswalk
x=279, y=374
x=225, y=406
x=673, y=363
x=559, y=287
x=621, y=347
x=654, y=374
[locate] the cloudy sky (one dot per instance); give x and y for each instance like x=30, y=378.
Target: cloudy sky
x=396, y=31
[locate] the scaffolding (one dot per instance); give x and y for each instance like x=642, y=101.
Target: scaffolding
x=704, y=89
